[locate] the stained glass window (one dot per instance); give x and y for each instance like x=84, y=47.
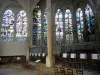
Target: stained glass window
x=90, y=20
x=37, y=26
x=80, y=24
x=7, y=27
x=59, y=25
x=45, y=27
x=39, y=21
x=21, y=26
x=68, y=26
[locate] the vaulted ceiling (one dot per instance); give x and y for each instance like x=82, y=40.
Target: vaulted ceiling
x=94, y=3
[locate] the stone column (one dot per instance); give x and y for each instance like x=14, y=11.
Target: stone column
x=42, y=29
x=85, y=31
x=75, y=35
x=54, y=28
x=50, y=58
x=64, y=33
x=29, y=37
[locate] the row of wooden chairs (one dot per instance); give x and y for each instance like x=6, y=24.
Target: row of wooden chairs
x=82, y=63
x=62, y=71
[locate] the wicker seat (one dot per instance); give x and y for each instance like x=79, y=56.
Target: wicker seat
x=62, y=70
x=78, y=72
x=69, y=72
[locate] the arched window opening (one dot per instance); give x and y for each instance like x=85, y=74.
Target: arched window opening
x=45, y=27
x=80, y=24
x=90, y=22
x=21, y=26
x=7, y=26
x=59, y=26
x=68, y=26
x=37, y=26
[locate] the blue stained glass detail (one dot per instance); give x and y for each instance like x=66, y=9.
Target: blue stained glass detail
x=80, y=24
x=45, y=27
x=68, y=26
x=90, y=19
x=44, y=20
x=7, y=27
x=36, y=25
x=21, y=26
x=59, y=25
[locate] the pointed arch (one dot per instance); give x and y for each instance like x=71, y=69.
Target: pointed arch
x=90, y=21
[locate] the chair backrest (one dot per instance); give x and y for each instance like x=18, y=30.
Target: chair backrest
x=62, y=69
x=78, y=72
x=55, y=69
x=70, y=71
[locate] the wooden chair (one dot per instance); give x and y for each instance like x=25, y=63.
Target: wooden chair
x=62, y=70
x=57, y=72
x=69, y=72
x=78, y=72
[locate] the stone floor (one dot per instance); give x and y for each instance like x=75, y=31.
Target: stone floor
x=20, y=70
x=17, y=69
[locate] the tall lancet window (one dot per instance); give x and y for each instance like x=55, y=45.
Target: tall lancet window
x=90, y=21
x=80, y=24
x=45, y=27
x=68, y=26
x=7, y=26
x=21, y=26
x=37, y=26
x=59, y=25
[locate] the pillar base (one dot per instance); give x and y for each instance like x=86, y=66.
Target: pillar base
x=27, y=52
x=50, y=61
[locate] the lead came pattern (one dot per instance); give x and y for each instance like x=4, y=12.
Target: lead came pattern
x=68, y=26
x=21, y=26
x=90, y=21
x=80, y=24
x=7, y=27
x=59, y=26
